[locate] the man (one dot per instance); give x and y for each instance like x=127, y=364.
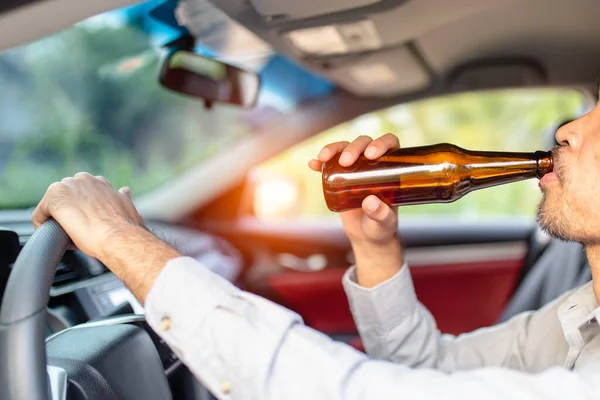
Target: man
x=401, y=330
x=244, y=347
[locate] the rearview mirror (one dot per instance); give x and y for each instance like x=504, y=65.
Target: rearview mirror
x=209, y=79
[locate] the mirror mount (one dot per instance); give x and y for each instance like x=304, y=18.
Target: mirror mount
x=185, y=42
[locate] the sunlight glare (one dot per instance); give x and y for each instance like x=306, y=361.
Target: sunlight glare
x=276, y=198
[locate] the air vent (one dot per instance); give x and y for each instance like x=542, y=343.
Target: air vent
x=69, y=269
x=66, y=273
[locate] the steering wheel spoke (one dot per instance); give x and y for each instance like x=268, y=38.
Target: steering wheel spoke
x=57, y=378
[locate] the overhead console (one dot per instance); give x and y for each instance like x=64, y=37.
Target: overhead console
x=366, y=46
x=349, y=42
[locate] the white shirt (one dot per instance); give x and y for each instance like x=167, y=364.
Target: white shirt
x=395, y=327
x=241, y=346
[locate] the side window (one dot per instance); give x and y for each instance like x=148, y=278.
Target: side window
x=515, y=120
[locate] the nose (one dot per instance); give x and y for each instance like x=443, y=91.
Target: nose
x=570, y=134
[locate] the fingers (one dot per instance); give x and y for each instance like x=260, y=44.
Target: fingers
x=103, y=180
x=326, y=154
x=331, y=150
x=127, y=192
x=40, y=215
x=49, y=203
x=56, y=193
x=372, y=149
x=354, y=150
x=69, y=181
x=382, y=145
x=315, y=165
x=83, y=175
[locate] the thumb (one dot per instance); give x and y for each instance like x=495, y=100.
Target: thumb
x=126, y=191
x=381, y=221
x=377, y=210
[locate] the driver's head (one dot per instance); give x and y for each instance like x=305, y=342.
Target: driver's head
x=570, y=208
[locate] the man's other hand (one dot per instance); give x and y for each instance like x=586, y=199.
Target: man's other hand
x=90, y=210
x=104, y=224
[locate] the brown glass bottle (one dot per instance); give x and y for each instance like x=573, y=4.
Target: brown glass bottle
x=440, y=173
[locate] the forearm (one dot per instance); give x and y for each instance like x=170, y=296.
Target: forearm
x=376, y=263
x=136, y=257
x=395, y=327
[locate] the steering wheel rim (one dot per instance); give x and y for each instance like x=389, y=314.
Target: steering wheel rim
x=23, y=315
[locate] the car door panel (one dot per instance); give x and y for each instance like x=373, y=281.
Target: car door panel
x=453, y=291
x=464, y=274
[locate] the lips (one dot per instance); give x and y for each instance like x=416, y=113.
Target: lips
x=558, y=170
x=549, y=177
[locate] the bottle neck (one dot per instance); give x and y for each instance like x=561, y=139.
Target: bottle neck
x=537, y=164
x=485, y=169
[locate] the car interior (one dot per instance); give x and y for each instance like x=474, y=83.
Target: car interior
x=122, y=88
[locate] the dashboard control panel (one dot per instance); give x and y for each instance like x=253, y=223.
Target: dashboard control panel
x=103, y=296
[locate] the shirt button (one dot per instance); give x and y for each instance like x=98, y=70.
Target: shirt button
x=165, y=323
x=226, y=387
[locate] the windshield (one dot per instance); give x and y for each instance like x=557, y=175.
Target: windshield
x=87, y=99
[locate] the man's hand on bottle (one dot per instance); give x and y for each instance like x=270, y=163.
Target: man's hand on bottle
x=372, y=228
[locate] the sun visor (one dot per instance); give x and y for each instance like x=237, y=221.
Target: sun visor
x=382, y=74
x=229, y=41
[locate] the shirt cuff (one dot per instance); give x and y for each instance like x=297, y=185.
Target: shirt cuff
x=384, y=305
x=212, y=325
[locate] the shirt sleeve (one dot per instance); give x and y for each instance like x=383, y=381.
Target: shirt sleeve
x=241, y=346
x=396, y=327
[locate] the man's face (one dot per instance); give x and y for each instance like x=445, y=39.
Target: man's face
x=570, y=209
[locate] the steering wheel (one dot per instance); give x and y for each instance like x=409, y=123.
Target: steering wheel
x=106, y=361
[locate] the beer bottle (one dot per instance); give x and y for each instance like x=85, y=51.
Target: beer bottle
x=440, y=173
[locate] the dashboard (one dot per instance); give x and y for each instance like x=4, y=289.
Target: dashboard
x=84, y=290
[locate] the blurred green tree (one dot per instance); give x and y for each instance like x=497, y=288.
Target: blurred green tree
x=88, y=99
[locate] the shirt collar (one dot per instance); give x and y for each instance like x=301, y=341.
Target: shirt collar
x=579, y=315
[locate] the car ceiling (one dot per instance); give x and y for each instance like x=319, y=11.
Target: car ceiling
x=466, y=44
x=395, y=47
